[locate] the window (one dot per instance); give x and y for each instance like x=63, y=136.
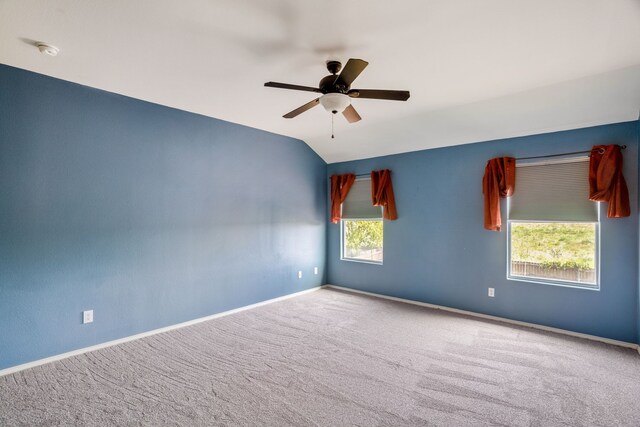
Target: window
x=362, y=225
x=362, y=240
x=553, y=228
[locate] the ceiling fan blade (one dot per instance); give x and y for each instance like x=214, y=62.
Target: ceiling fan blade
x=351, y=114
x=392, y=95
x=293, y=87
x=351, y=71
x=309, y=105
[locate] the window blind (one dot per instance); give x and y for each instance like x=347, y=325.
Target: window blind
x=358, y=204
x=553, y=191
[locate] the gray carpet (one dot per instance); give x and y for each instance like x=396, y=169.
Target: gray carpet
x=335, y=358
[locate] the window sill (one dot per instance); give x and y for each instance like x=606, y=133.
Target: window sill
x=573, y=285
x=361, y=261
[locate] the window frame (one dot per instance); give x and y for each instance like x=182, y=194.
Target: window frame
x=343, y=257
x=556, y=282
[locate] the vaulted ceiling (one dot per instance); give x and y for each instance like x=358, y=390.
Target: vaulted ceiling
x=477, y=70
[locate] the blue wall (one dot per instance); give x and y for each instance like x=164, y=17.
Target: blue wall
x=152, y=216
x=148, y=215
x=438, y=252
x=638, y=316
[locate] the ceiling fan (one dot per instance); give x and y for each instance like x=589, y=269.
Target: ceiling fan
x=337, y=93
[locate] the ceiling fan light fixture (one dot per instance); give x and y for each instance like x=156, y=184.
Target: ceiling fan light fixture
x=337, y=92
x=335, y=102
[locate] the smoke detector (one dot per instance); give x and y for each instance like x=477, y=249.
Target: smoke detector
x=47, y=49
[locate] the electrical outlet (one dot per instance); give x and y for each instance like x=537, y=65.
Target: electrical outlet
x=300, y=274
x=492, y=292
x=315, y=270
x=87, y=316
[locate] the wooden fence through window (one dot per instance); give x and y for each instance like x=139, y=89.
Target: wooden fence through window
x=532, y=269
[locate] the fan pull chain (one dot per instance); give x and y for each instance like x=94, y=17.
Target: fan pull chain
x=332, y=136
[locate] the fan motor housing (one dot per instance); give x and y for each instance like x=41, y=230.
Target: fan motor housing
x=327, y=85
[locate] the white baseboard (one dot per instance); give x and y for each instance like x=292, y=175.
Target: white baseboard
x=46, y=360
x=495, y=318
x=50, y=359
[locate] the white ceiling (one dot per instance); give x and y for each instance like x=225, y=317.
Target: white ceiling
x=477, y=70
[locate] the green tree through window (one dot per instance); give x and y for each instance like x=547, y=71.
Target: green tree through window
x=363, y=239
x=565, y=251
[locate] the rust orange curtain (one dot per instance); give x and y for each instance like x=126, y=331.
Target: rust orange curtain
x=340, y=185
x=382, y=193
x=606, y=182
x=498, y=182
